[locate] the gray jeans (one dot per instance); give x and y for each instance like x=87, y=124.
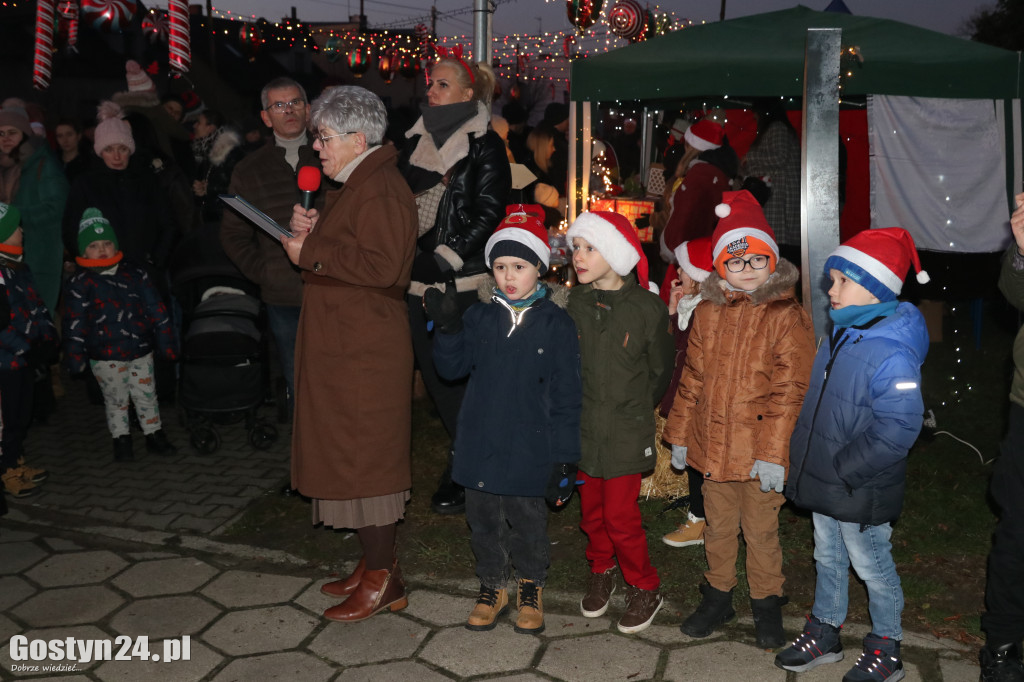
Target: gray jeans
x=508, y=532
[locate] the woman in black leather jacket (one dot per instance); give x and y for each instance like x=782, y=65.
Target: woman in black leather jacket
x=455, y=160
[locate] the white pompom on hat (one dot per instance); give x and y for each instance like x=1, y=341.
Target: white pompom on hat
x=521, y=235
x=616, y=240
x=705, y=135
x=878, y=260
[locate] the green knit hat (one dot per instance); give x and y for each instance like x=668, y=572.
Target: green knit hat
x=10, y=220
x=93, y=228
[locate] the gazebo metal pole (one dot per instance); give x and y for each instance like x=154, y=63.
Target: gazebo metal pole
x=819, y=177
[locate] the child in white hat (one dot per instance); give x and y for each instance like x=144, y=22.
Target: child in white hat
x=848, y=454
x=626, y=351
x=518, y=436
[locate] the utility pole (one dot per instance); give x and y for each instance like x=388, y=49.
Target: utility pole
x=433, y=21
x=721, y=15
x=482, y=10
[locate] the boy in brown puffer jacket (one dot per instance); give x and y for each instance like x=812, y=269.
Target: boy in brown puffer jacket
x=747, y=368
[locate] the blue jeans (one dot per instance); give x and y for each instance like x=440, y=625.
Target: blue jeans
x=284, y=325
x=838, y=544
x=506, y=532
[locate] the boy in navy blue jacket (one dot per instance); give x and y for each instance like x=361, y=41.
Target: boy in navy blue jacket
x=114, y=321
x=848, y=453
x=28, y=340
x=519, y=426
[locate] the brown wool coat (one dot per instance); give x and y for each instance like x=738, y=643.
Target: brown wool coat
x=748, y=363
x=353, y=354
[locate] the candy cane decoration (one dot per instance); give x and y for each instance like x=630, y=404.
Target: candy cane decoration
x=68, y=10
x=44, y=45
x=180, y=50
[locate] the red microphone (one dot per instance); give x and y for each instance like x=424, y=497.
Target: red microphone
x=309, y=183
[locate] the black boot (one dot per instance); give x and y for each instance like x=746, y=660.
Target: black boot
x=768, y=621
x=158, y=444
x=715, y=608
x=1001, y=664
x=123, y=449
x=450, y=497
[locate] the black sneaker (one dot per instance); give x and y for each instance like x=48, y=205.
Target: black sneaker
x=123, y=449
x=817, y=644
x=1001, y=664
x=878, y=662
x=158, y=444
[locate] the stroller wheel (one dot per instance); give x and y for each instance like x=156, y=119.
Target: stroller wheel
x=262, y=435
x=205, y=440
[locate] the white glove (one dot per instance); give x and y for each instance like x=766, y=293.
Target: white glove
x=771, y=475
x=679, y=456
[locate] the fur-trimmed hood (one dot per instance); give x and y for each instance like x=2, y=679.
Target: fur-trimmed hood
x=227, y=140
x=557, y=293
x=429, y=157
x=781, y=284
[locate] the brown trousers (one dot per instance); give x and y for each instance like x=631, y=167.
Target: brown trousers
x=730, y=507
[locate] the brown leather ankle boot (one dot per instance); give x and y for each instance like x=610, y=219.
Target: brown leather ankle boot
x=378, y=590
x=346, y=586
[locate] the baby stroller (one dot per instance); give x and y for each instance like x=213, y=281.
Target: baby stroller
x=224, y=376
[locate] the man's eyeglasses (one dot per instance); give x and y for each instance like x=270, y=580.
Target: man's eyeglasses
x=757, y=262
x=323, y=138
x=280, y=107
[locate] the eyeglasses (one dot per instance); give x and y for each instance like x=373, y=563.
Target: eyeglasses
x=281, y=107
x=323, y=138
x=757, y=262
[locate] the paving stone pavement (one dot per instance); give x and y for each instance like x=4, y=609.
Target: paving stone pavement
x=110, y=554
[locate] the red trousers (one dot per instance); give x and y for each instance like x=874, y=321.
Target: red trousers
x=611, y=520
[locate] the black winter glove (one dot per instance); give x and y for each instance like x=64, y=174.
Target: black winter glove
x=427, y=268
x=561, y=484
x=443, y=308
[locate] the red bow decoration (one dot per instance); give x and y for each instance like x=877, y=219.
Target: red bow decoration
x=153, y=69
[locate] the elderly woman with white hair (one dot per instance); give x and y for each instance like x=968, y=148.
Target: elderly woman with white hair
x=353, y=354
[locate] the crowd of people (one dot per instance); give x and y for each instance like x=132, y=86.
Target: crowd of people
x=417, y=252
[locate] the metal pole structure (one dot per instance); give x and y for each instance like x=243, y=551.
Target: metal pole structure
x=580, y=144
x=819, y=179
x=482, y=11
x=646, y=143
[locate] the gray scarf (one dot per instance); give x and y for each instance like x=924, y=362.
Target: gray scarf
x=442, y=121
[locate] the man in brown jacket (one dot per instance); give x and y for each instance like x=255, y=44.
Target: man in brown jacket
x=267, y=179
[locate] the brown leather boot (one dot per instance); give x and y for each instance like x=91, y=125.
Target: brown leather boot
x=346, y=586
x=378, y=590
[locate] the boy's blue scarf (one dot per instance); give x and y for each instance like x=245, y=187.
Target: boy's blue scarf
x=857, y=315
x=523, y=303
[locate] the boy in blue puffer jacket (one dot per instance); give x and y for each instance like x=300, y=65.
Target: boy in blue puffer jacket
x=113, y=322
x=519, y=425
x=848, y=453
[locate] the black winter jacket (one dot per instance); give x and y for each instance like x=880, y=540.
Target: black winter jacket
x=478, y=189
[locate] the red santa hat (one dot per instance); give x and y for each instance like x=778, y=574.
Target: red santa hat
x=704, y=135
x=521, y=235
x=878, y=260
x=616, y=240
x=742, y=229
x=694, y=257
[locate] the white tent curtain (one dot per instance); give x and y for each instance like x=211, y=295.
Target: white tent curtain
x=938, y=169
